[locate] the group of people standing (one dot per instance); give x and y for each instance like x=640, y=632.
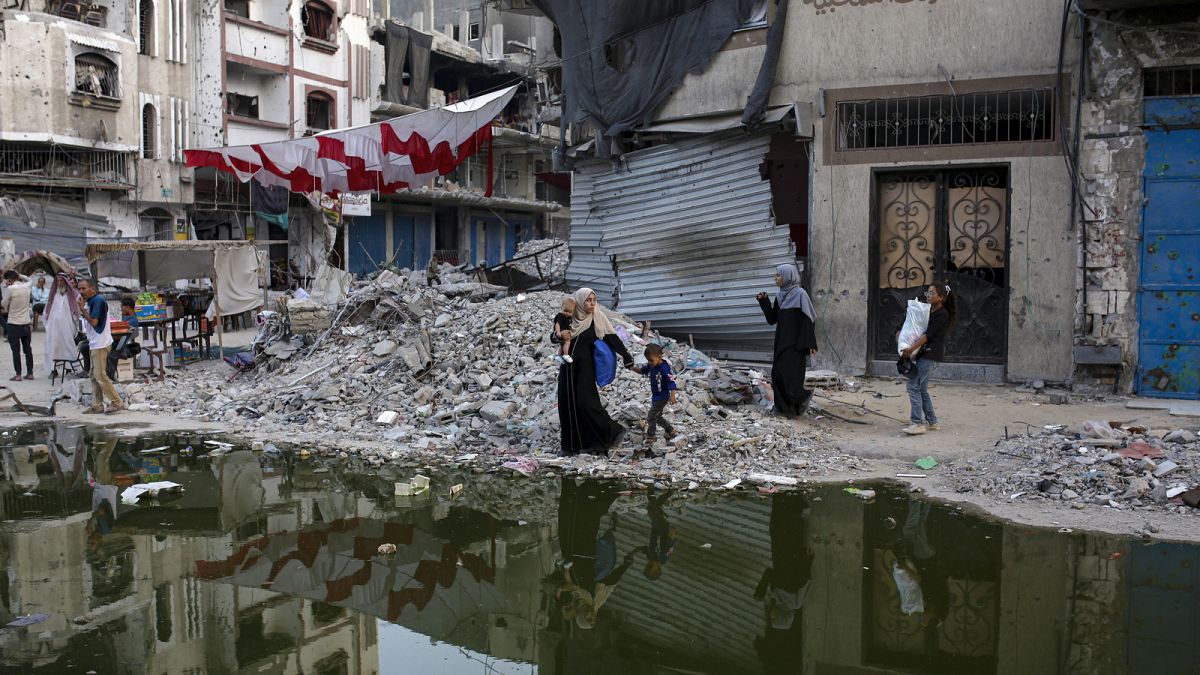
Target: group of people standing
x=587, y=427
x=75, y=319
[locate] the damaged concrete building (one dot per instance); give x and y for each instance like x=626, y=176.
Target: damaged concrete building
x=881, y=146
x=439, y=54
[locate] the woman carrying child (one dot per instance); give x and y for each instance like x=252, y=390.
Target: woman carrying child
x=586, y=427
x=926, y=353
x=795, y=339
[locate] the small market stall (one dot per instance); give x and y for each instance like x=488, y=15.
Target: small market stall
x=235, y=269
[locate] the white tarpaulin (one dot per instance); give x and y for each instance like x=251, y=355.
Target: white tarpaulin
x=237, y=281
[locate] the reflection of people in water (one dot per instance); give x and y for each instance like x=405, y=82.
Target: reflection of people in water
x=662, y=536
x=590, y=570
x=783, y=587
x=914, y=568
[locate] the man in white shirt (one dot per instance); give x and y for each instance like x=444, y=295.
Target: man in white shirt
x=17, y=306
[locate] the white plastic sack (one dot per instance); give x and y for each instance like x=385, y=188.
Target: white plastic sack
x=912, y=600
x=916, y=320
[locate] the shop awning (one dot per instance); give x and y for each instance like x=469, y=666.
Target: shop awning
x=384, y=157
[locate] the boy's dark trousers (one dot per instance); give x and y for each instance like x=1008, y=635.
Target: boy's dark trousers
x=656, y=417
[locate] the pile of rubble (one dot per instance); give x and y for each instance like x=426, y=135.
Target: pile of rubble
x=464, y=372
x=1094, y=463
x=543, y=259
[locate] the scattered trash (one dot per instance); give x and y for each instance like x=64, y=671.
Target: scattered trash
x=865, y=495
x=926, y=463
x=163, y=488
x=155, y=451
x=387, y=417
x=387, y=549
x=1099, y=429
x=27, y=620
x=911, y=475
x=1141, y=450
x=456, y=490
x=1065, y=530
x=769, y=478
x=732, y=484
x=705, y=546
x=525, y=466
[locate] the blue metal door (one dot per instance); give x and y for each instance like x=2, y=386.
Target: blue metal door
x=424, y=241
x=1169, y=283
x=403, y=236
x=368, y=242
x=494, y=241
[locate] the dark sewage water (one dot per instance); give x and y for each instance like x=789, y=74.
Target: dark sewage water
x=270, y=562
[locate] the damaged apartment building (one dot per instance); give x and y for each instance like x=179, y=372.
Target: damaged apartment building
x=883, y=146
x=95, y=111
x=436, y=55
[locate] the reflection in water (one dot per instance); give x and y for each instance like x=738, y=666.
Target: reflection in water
x=274, y=565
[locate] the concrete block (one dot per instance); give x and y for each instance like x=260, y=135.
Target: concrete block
x=497, y=411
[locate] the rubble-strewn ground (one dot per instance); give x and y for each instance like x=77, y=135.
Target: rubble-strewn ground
x=454, y=373
x=472, y=382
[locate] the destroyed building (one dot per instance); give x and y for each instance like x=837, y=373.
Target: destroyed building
x=503, y=196
x=95, y=102
x=711, y=141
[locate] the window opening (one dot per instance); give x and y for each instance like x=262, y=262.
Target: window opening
x=96, y=75
x=319, y=111
x=1023, y=115
x=317, y=18
x=145, y=26
x=238, y=7
x=241, y=105
x=474, y=34
x=1184, y=81
x=149, y=149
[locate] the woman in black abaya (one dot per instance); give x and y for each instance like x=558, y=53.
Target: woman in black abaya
x=586, y=427
x=795, y=339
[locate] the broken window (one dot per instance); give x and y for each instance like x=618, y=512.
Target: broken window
x=96, y=75
x=474, y=31
x=317, y=18
x=149, y=137
x=241, y=105
x=1023, y=115
x=318, y=107
x=145, y=26
x=238, y=7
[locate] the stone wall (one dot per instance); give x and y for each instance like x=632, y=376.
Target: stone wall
x=1111, y=159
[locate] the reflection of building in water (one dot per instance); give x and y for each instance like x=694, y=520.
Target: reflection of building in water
x=120, y=601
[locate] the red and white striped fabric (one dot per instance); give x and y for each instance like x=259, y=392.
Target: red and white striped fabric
x=408, y=151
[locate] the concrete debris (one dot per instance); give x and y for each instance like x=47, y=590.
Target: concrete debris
x=461, y=368
x=1180, y=436
x=1069, y=465
x=550, y=261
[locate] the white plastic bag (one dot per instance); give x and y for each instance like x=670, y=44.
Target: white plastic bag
x=916, y=320
x=912, y=600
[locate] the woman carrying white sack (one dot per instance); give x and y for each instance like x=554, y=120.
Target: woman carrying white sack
x=61, y=319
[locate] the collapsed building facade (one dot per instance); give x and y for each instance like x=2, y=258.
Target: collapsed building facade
x=822, y=132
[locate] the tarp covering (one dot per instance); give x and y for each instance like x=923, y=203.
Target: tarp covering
x=29, y=262
x=407, y=53
x=651, y=47
x=384, y=157
x=237, y=277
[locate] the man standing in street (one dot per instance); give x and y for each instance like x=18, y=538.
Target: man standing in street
x=94, y=309
x=16, y=305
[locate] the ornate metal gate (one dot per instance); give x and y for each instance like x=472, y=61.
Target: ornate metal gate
x=943, y=225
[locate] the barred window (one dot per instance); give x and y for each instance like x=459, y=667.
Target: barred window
x=96, y=75
x=149, y=132
x=1014, y=116
x=145, y=26
x=1183, y=81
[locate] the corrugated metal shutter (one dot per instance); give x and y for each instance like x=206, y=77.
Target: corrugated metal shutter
x=60, y=230
x=689, y=226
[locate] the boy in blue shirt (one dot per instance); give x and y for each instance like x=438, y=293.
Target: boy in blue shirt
x=662, y=392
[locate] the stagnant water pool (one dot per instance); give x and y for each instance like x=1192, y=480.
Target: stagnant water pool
x=271, y=563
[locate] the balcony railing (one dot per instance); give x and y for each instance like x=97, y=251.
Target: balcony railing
x=64, y=167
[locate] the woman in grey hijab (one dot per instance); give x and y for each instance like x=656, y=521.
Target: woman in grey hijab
x=795, y=339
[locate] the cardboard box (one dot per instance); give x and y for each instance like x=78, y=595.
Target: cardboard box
x=125, y=370
x=151, y=312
